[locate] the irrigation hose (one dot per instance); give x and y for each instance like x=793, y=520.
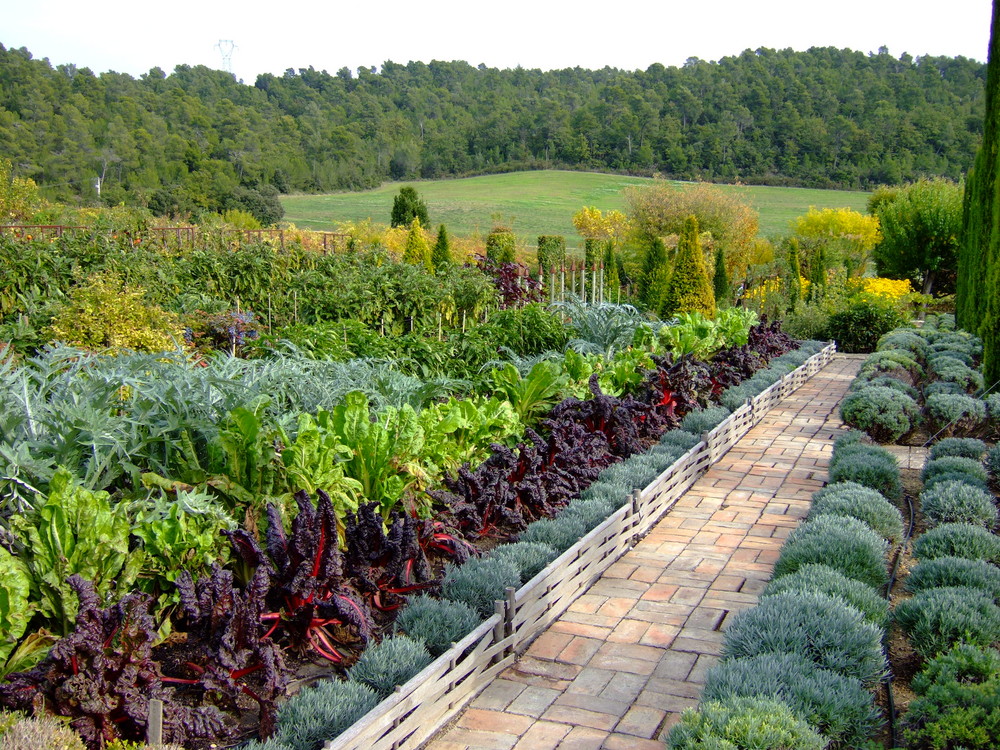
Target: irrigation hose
x=890, y=699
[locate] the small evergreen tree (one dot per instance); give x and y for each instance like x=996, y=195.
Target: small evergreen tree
x=441, y=255
x=795, y=273
x=720, y=281
x=689, y=288
x=417, y=252
x=612, y=281
x=817, y=275
x=406, y=207
x=655, y=271
x=591, y=252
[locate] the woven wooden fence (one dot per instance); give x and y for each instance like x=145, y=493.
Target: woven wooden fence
x=424, y=704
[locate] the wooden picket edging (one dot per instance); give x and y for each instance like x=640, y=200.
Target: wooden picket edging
x=423, y=705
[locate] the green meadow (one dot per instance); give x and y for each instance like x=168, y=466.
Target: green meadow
x=535, y=203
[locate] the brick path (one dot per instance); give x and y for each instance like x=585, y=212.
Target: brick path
x=627, y=657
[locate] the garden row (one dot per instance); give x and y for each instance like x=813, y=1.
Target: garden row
x=801, y=669
x=927, y=378
x=319, y=578
x=527, y=583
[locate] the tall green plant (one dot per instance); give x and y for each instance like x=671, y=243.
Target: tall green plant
x=689, y=289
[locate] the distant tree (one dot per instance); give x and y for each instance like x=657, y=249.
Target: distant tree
x=689, y=288
x=19, y=196
x=441, y=254
x=920, y=230
x=407, y=206
x=847, y=235
x=661, y=209
x=720, y=281
x=417, y=251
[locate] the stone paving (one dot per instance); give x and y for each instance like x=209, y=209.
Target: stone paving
x=628, y=656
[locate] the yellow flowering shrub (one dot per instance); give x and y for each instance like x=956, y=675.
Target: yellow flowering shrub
x=102, y=315
x=890, y=289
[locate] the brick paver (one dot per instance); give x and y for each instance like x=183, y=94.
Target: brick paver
x=627, y=657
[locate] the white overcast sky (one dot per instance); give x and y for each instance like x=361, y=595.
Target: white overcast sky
x=131, y=37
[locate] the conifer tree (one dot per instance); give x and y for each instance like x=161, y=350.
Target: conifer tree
x=407, y=206
x=817, y=275
x=977, y=303
x=720, y=282
x=501, y=245
x=417, y=252
x=655, y=271
x=441, y=255
x=794, y=273
x=689, y=288
x=612, y=281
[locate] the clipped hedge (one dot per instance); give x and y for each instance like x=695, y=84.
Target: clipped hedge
x=864, y=504
x=823, y=579
x=884, y=413
x=389, y=663
x=740, y=723
x=867, y=465
x=955, y=571
x=970, y=448
x=437, y=622
x=957, y=502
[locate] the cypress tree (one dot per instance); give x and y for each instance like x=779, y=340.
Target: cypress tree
x=551, y=251
x=720, y=282
x=978, y=293
x=441, y=255
x=612, y=282
x=591, y=252
x=417, y=252
x=794, y=273
x=407, y=206
x=817, y=275
x=689, y=288
x=655, y=269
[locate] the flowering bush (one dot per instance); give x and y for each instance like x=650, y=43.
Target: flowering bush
x=227, y=331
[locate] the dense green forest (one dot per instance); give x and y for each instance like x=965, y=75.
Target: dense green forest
x=199, y=140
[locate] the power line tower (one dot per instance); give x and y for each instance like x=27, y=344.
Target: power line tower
x=226, y=48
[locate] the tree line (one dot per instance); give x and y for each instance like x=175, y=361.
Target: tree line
x=198, y=140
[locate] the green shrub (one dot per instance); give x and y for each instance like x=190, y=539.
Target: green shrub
x=593, y=512
x=845, y=544
x=851, y=437
x=961, y=447
x=957, y=502
x=955, y=571
x=966, y=540
x=837, y=706
x=958, y=703
x=688, y=288
x=529, y=558
x=480, y=582
x=704, y=420
x=898, y=362
x=942, y=387
x=884, y=413
x=965, y=377
x=956, y=476
x=437, y=622
x=735, y=396
x=868, y=468
x=825, y=580
x=389, y=663
x=840, y=488
x=961, y=357
x=992, y=462
x=806, y=322
x=955, y=413
x=743, y=724
x=885, y=381
x=814, y=625
x=864, y=504
x=500, y=245
x=862, y=324
x=906, y=339
x=863, y=449
x=949, y=464
x=935, y=619
x=681, y=439
x=551, y=251
x=317, y=714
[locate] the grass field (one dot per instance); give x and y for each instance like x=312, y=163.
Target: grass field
x=535, y=203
